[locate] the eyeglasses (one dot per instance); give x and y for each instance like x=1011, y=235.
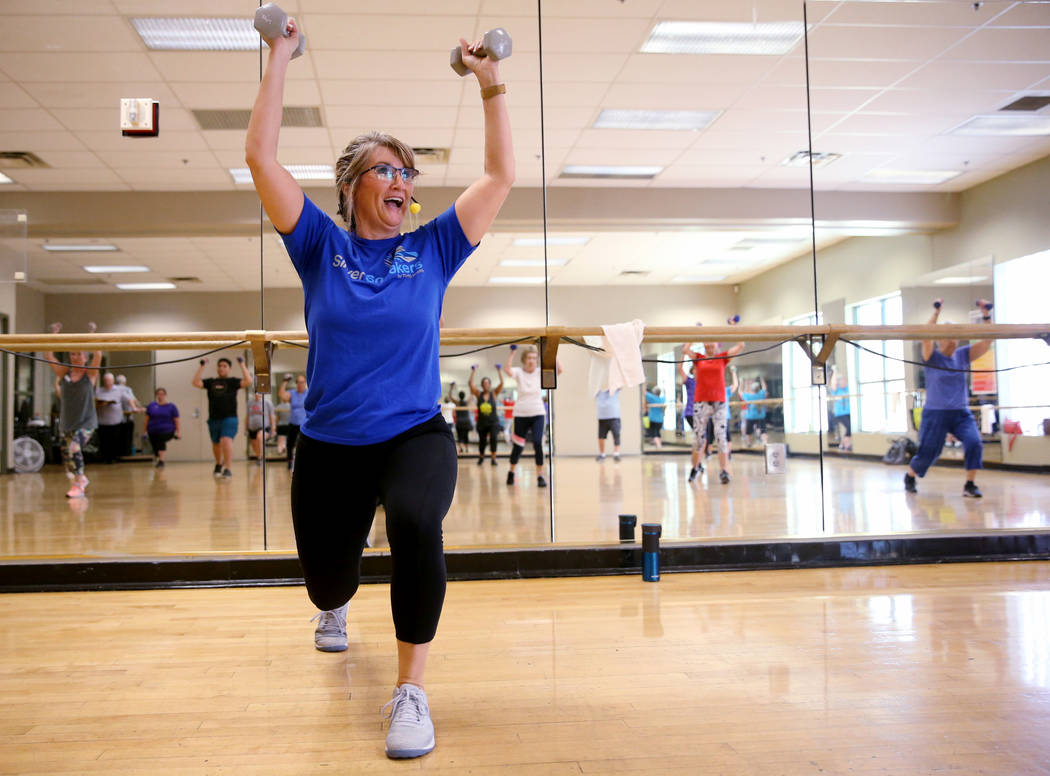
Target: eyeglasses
x=388, y=172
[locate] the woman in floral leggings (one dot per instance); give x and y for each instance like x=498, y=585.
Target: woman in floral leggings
x=77, y=420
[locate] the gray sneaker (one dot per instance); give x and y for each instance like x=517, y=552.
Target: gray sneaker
x=330, y=635
x=411, y=733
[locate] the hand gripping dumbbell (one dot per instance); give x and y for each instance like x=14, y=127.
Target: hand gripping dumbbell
x=495, y=44
x=272, y=22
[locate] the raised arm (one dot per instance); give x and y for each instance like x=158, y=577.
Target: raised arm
x=478, y=206
x=246, y=376
x=470, y=383
x=283, y=393
x=57, y=368
x=197, y=381
x=280, y=195
x=927, y=345
x=980, y=347
x=93, y=366
x=735, y=349
x=510, y=363
x=499, y=388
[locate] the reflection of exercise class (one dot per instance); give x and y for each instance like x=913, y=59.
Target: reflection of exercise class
x=525, y=388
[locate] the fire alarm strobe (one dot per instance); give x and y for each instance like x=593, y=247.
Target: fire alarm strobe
x=139, y=117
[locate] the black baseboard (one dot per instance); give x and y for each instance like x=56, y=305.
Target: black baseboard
x=533, y=562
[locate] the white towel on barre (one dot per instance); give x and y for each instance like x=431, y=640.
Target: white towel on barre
x=621, y=364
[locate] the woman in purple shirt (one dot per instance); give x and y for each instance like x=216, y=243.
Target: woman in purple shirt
x=162, y=424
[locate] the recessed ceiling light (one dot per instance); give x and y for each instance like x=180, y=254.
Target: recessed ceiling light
x=723, y=38
x=4, y=179
x=1004, y=124
x=698, y=278
x=114, y=268
x=301, y=172
x=198, y=34
x=88, y=248
x=961, y=280
x=802, y=159
x=145, y=286
x=886, y=175
x=552, y=241
x=610, y=171
x=615, y=118
x=510, y=280
x=533, y=262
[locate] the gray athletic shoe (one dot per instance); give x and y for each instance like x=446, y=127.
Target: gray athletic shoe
x=330, y=635
x=411, y=733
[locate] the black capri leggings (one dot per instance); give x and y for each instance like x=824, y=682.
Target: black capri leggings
x=489, y=434
x=334, y=493
x=522, y=426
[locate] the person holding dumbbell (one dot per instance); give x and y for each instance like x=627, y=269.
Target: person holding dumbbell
x=297, y=413
x=947, y=406
x=530, y=415
x=222, y=409
x=488, y=415
x=373, y=430
x=710, y=401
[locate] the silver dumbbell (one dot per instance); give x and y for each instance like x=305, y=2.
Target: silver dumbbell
x=272, y=22
x=495, y=43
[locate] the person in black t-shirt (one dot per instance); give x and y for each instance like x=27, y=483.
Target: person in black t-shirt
x=222, y=409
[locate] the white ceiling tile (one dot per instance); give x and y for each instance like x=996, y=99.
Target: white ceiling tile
x=108, y=119
x=56, y=33
x=370, y=116
x=943, y=14
x=14, y=96
x=40, y=141
x=639, y=139
x=702, y=157
x=757, y=10
x=393, y=8
x=760, y=122
x=412, y=135
x=710, y=176
x=938, y=101
x=72, y=176
x=28, y=120
x=239, y=95
x=1023, y=15
x=165, y=141
x=768, y=144
x=1007, y=45
x=415, y=94
x=161, y=160
x=366, y=65
x=578, y=8
x=582, y=67
x=229, y=8
x=71, y=160
x=976, y=75
x=57, y=7
x=698, y=69
x=847, y=42
x=225, y=139
x=843, y=143
x=303, y=137
x=661, y=96
x=897, y=124
x=594, y=35
x=206, y=66
x=646, y=155
x=840, y=72
x=97, y=95
x=386, y=34
x=79, y=68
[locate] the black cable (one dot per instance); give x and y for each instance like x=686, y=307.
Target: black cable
x=775, y=345
x=485, y=347
x=122, y=366
x=940, y=368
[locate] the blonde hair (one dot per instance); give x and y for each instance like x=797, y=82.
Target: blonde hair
x=353, y=163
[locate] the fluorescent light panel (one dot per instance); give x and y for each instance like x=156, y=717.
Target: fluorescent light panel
x=886, y=175
x=4, y=179
x=145, y=286
x=961, y=280
x=110, y=269
x=766, y=38
x=610, y=171
x=533, y=241
x=533, y=262
x=88, y=248
x=198, y=34
x=1005, y=124
x=510, y=280
x=698, y=278
x=301, y=172
x=616, y=118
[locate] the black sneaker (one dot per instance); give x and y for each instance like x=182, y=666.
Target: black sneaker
x=226, y=474
x=510, y=478
x=217, y=471
x=160, y=464
x=480, y=461
x=909, y=484
x=693, y=473
x=970, y=490
x=540, y=482
x=494, y=462
x=724, y=477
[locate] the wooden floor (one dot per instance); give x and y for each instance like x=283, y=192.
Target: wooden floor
x=134, y=509
x=891, y=670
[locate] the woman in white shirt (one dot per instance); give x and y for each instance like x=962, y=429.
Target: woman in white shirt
x=530, y=415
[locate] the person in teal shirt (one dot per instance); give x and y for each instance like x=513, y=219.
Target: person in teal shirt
x=654, y=406
x=755, y=414
x=840, y=410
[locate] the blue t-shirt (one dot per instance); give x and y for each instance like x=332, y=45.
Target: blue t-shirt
x=948, y=390
x=608, y=404
x=839, y=407
x=754, y=411
x=656, y=414
x=161, y=418
x=372, y=311
x=690, y=394
x=297, y=411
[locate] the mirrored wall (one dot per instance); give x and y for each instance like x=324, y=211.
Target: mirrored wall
x=686, y=164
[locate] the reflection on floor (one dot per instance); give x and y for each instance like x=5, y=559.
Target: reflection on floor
x=135, y=509
x=894, y=671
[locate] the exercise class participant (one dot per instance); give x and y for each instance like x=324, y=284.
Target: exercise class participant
x=755, y=414
x=655, y=404
x=609, y=422
x=947, y=407
x=488, y=413
x=530, y=414
x=110, y=416
x=688, y=391
x=727, y=442
x=296, y=415
x=222, y=409
x=463, y=422
x=162, y=424
x=840, y=410
x=77, y=418
x=710, y=371
x=261, y=423
x=373, y=431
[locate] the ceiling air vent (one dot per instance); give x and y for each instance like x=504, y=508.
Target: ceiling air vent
x=1032, y=102
x=293, y=116
x=426, y=155
x=20, y=160
x=634, y=272
x=186, y=279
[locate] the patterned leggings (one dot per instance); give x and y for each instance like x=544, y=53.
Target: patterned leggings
x=73, y=443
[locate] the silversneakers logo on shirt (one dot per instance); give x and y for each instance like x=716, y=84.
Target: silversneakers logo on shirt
x=400, y=264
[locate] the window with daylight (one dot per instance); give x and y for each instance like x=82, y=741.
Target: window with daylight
x=876, y=380
x=802, y=412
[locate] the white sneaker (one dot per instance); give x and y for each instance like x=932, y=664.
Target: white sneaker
x=411, y=733
x=330, y=635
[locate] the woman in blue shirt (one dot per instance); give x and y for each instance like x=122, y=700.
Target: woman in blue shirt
x=296, y=413
x=373, y=430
